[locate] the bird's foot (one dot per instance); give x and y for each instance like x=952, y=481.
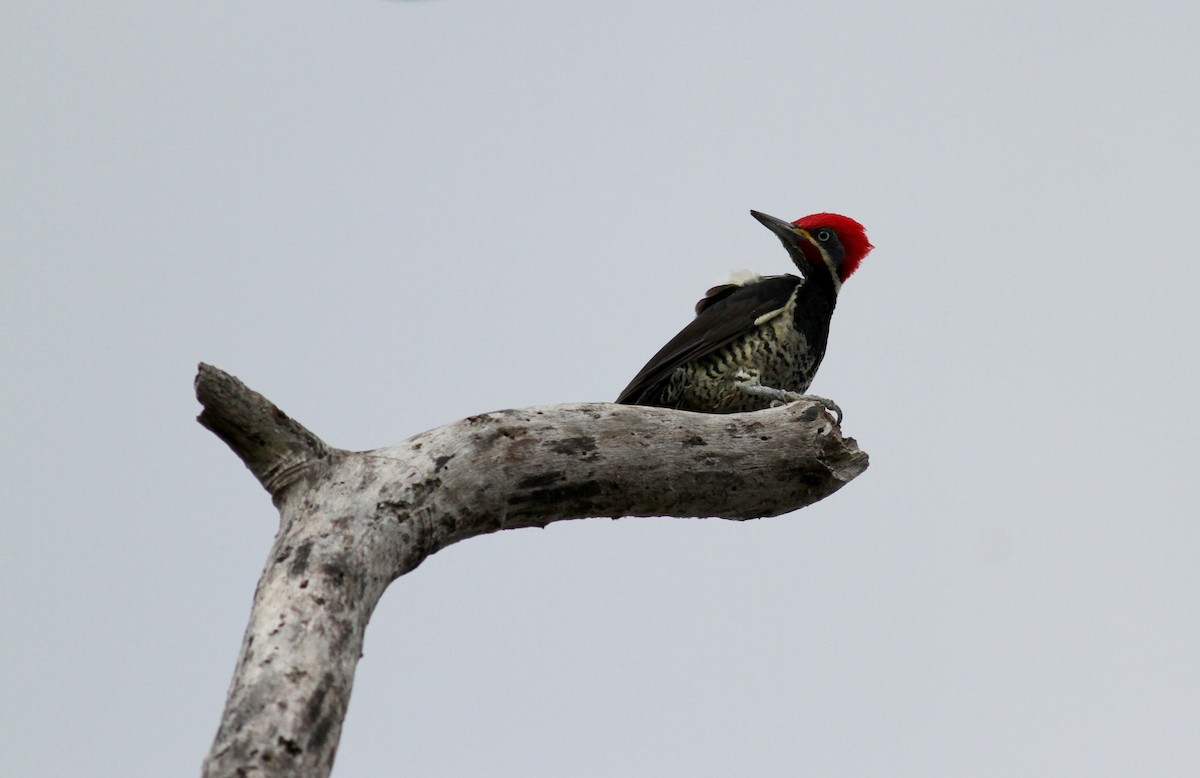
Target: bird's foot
x=783, y=397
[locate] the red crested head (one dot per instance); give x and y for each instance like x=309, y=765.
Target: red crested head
x=850, y=233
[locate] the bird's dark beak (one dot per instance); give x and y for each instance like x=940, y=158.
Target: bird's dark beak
x=787, y=232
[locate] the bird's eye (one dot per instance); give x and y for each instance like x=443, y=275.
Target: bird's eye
x=824, y=236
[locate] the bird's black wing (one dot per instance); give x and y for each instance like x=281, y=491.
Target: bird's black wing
x=725, y=313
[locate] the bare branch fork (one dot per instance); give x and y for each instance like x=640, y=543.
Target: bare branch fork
x=352, y=522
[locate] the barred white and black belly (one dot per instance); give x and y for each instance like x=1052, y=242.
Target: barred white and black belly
x=768, y=331
x=777, y=354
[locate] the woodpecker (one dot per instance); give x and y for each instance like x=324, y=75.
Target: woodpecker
x=757, y=340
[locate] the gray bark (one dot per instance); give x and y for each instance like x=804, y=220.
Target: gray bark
x=352, y=522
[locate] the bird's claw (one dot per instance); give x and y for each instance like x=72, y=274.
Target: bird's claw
x=833, y=408
x=780, y=397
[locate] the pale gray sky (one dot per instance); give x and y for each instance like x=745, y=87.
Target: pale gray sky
x=386, y=216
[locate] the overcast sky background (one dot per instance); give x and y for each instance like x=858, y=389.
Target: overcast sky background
x=388, y=215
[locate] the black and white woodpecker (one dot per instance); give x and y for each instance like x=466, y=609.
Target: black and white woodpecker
x=758, y=340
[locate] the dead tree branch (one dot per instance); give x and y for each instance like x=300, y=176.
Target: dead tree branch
x=352, y=522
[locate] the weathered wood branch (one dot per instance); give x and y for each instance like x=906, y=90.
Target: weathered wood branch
x=352, y=522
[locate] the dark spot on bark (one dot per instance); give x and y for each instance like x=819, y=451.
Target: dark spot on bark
x=320, y=731
x=316, y=704
x=812, y=478
x=399, y=509
x=574, y=497
x=811, y=413
x=300, y=561
x=695, y=440
x=537, y=481
x=304, y=584
x=573, y=446
x=424, y=488
x=343, y=638
x=440, y=462
x=334, y=573
x=287, y=744
x=317, y=714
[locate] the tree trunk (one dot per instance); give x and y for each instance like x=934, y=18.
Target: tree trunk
x=352, y=522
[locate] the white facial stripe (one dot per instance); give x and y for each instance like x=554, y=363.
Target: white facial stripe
x=829, y=263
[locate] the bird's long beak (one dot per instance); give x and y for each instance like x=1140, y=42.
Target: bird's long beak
x=787, y=232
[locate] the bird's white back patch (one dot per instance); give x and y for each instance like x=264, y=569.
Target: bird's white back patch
x=744, y=278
